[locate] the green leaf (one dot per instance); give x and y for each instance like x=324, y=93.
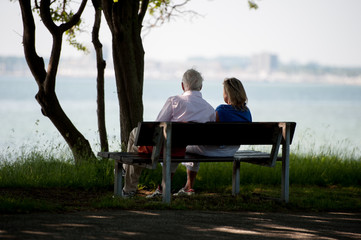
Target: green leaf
x=252, y=5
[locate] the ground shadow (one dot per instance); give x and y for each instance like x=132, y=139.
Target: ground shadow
x=177, y=224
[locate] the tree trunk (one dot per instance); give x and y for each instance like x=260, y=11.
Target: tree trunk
x=100, y=77
x=46, y=95
x=51, y=108
x=129, y=81
x=125, y=22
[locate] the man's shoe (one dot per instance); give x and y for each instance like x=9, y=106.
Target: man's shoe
x=156, y=193
x=184, y=192
x=128, y=194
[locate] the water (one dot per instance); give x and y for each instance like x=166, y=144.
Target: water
x=327, y=116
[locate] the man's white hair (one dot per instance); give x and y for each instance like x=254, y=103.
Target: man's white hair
x=192, y=80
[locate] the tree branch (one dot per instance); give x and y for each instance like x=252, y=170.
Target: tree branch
x=75, y=19
x=46, y=17
x=108, y=14
x=35, y=63
x=143, y=10
x=168, y=12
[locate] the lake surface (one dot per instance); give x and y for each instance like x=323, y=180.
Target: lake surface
x=328, y=116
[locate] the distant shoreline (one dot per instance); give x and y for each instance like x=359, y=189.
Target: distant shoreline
x=212, y=69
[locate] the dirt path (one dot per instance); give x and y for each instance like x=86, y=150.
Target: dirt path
x=121, y=224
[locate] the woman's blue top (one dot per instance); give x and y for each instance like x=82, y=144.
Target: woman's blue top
x=228, y=113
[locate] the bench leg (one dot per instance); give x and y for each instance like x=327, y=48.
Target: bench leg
x=285, y=180
x=118, y=180
x=286, y=166
x=236, y=177
x=166, y=181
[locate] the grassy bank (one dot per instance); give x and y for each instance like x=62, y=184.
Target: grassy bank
x=35, y=182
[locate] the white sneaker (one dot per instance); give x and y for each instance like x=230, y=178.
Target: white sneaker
x=183, y=192
x=156, y=193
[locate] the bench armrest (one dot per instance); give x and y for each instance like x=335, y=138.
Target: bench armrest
x=275, y=148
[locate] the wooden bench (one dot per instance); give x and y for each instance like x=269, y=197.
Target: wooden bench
x=176, y=134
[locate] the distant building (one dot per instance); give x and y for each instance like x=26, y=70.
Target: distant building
x=264, y=62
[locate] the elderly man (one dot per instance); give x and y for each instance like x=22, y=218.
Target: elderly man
x=188, y=107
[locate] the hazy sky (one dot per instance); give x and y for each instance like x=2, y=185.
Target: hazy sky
x=323, y=31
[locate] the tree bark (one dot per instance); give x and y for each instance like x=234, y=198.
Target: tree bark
x=101, y=64
x=125, y=19
x=46, y=80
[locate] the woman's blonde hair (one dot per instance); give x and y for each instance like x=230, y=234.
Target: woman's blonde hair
x=236, y=93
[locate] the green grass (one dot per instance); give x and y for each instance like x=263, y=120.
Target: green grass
x=36, y=170
x=317, y=170
x=318, y=183
x=22, y=205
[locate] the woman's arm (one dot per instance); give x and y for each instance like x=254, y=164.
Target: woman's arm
x=217, y=117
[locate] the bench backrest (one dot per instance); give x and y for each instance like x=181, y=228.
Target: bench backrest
x=216, y=133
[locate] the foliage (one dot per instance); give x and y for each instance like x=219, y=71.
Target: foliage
x=252, y=4
x=61, y=12
x=163, y=10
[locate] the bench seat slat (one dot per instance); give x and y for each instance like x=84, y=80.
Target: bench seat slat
x=137, y=158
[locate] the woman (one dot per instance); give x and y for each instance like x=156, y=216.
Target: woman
x=236, y=109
